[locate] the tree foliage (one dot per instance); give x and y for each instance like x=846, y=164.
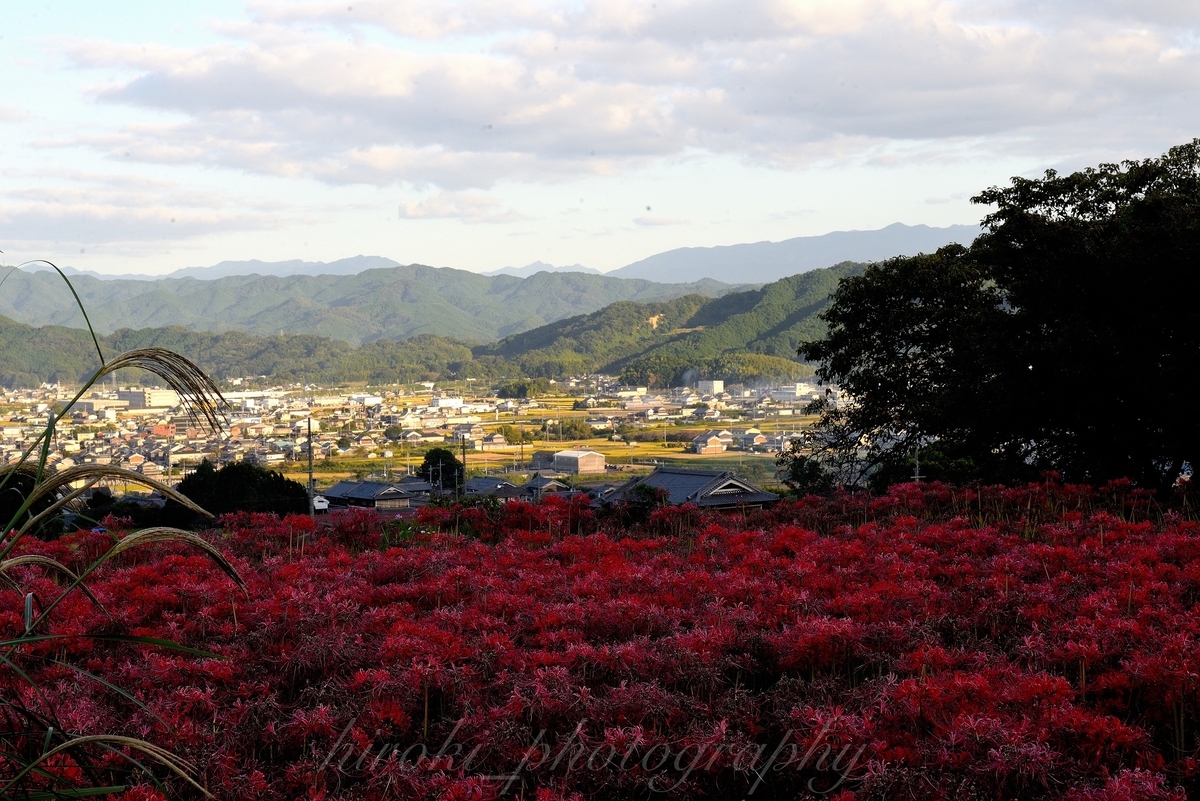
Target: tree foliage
x=243, y=487
x=570, y=428
x=1063, y=339
x=515, y=435
x=442, y=469
x=525, y=388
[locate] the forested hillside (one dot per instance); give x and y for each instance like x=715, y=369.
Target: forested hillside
x=742, y=336
x=29, y=356
x=395, y=303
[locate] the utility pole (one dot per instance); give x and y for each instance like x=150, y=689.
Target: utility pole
x=312, y=509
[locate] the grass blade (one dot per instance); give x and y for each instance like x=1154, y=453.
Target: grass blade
x=78, y=302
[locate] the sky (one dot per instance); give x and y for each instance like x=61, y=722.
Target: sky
x=144, y=137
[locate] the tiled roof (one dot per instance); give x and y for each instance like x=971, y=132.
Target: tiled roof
x=539, y=482
x=483, y=485
x=364, y=490
x=701, y=487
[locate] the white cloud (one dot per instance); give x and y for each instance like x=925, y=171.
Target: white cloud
x=61, y=206
x=541, y=92
x=462, y=206
x=13, y=114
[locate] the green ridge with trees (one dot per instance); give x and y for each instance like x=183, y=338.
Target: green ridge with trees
x=742, y=336
x=396, y=303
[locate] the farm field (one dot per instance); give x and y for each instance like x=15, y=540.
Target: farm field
x=1035, y=642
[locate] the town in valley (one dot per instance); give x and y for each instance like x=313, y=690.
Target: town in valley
x=586, y=432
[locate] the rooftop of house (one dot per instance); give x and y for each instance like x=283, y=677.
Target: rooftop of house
x=701, y=487
x=542, y=482
x=482, y=485
x=364, y=490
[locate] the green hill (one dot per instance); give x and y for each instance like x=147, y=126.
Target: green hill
x=742, y=336
x=395, y=303
x=29, y=356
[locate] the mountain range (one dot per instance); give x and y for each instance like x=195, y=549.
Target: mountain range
x=760, y=262
x=367, y=318
x=392, y=303
x=351, y=266
x=748, y=336
x=541, y=266
x=748, y=263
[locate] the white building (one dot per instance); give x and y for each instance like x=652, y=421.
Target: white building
x=149, y=398
x=710, y=387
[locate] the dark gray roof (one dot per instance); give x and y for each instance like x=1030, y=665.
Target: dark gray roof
x=415, y=484
x=540, y=482
x=701, y=487
x=486, y=485
x=364, y=491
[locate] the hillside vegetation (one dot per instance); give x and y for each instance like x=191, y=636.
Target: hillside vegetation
x=746, y=336
x=742, y=336
x=29, y=356
x=395, y=303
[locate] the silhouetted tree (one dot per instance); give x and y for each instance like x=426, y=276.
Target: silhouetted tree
x=240, y=486
x=441, y=468
x=1064, y=338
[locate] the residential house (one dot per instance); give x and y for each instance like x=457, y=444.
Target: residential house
x=416, y=486
x=488, y=485
x=467, y=432
x=541, y=485
x=494, y=442
x=749, y=438
x=379, y=495
x=708, y=489
x=708, y=443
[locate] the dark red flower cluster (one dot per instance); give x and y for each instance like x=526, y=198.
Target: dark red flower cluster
x=931, y=643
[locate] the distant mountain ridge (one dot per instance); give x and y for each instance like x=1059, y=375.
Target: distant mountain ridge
x=746, y=263
x=350, y=266
x=226, y=269
x=539, y=267
x=763, y=262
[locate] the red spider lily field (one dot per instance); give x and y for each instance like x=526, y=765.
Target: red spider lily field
x=1036, y=642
